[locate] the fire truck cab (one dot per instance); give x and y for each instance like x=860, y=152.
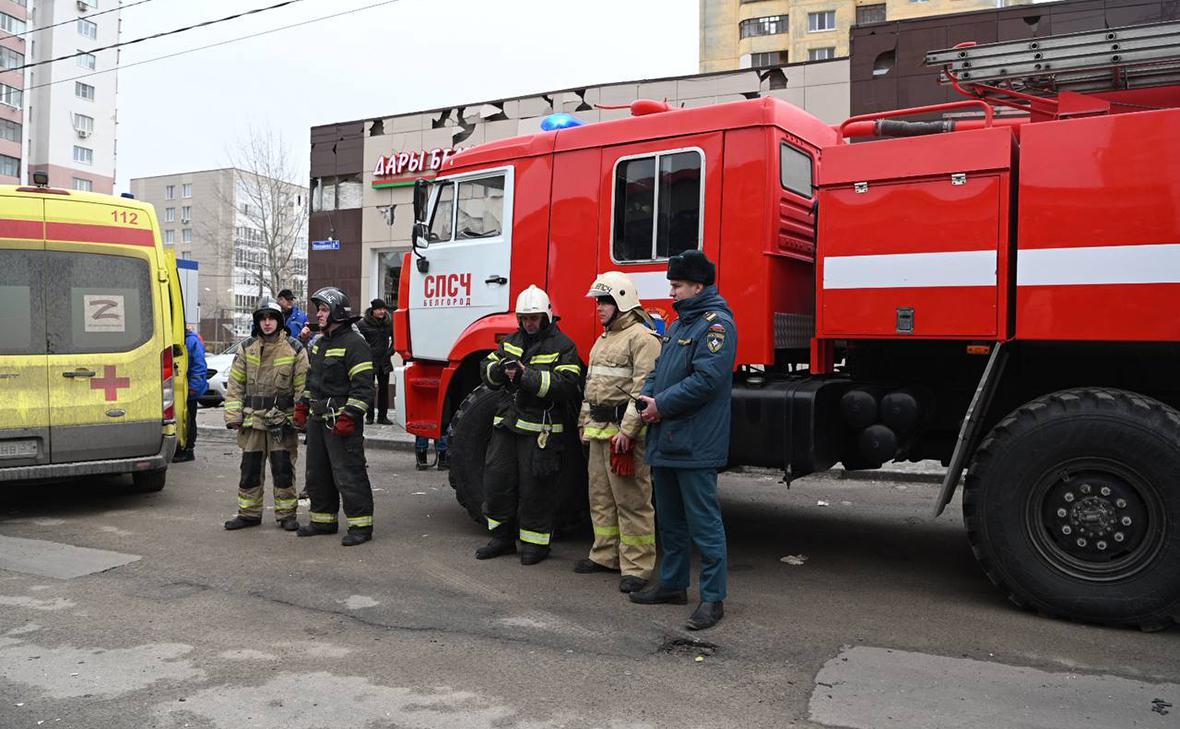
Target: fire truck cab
x=993, y=292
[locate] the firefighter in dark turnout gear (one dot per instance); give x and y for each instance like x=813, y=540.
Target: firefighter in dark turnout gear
x=339, y=390
x=539, y=367
x=268, y=374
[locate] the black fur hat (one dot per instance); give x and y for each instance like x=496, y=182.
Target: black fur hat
x=692, y=266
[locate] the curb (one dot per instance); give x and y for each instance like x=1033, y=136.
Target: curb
x=404, y=443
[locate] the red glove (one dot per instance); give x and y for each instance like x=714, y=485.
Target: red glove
x=345, y=425
x=623, y=463
x=301, y=411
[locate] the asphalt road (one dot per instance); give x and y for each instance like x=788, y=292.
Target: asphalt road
x=176, y=623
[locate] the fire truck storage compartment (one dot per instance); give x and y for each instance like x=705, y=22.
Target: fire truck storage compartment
x=914, y=236
x=1099, y=229
x=790, y=424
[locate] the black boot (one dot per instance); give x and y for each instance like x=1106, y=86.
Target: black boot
x=369, y=419
x=313, y=530
x=421, y=462
x=657, y=594
x=495, y=548
x=183, y=456
x=356, y=536
x=289, y=523
x=706, y=615
x=588, y=566
x=241, y=522
x=531, y=554
x=384, y=420
x=442, y=463
x=631, y=583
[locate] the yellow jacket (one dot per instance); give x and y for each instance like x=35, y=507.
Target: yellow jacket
x=621, y=358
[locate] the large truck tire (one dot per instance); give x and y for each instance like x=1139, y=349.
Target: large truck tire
x=1072, y=507
x=467, y=444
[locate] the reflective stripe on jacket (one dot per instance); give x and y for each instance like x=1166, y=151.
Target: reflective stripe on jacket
x=621, y=357
x=341, y=372
x=547, y=390
x=267, y=367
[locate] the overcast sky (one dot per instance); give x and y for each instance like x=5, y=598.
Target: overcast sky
x=184, y=113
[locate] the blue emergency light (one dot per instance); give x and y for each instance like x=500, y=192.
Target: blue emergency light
x=560, y=120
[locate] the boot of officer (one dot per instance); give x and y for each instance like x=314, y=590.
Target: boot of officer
x=268, y=372
x=539, y=368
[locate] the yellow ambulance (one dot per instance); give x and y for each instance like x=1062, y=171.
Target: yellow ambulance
x=92, y=355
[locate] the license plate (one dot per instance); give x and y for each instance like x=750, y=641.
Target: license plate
x=18, y=449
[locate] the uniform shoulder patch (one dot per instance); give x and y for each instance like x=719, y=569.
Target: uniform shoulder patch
x=714, y=340
x=717, y=328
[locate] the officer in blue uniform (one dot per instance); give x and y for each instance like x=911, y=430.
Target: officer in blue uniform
x=686, y=402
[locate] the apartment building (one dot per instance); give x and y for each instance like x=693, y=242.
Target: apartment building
x=13, y=28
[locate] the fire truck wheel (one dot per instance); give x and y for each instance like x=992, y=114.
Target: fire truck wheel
x=1072, y=507
x=148, y=482
x=467, y=443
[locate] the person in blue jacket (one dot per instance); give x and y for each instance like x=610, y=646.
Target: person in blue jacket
x=296, y=320
x=686, y=403
x=198, y=384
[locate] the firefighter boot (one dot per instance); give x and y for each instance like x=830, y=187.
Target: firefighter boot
x=289, y=524
x=531, y=554
x=356, y=536
x=312, y=530
x=420, y=460
x=498, y=546
x=631, y=583
x=239, y=522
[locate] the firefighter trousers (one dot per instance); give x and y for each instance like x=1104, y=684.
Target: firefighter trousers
x=516, y=501
x=622, y=513
x=336, y=472
x=258, y=447
x=686, y=502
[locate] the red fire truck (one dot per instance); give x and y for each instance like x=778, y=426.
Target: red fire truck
x=995, y=289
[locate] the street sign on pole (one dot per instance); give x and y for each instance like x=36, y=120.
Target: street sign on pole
x=325, y=245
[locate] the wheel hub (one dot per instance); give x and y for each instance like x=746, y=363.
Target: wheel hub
x=1095, y=521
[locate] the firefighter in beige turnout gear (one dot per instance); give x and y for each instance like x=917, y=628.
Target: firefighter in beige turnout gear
x=620, y=479
x=268, y=375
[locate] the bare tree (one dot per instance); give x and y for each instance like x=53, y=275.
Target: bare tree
x=270, y=211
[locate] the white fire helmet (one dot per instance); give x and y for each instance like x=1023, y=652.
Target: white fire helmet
x=619, y=287
x=534, y=301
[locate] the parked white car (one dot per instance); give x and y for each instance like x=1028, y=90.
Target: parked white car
x=217, y=383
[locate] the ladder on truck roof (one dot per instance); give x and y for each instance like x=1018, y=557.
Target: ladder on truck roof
x=1129, y=57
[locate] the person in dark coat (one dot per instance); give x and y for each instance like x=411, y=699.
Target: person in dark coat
x=376, y=326
x=687, y=405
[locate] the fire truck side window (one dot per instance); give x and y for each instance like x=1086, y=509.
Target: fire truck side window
x=481, y=208
x=657, y=210
x=444, y=215
x=795, y=169
x=22, y=284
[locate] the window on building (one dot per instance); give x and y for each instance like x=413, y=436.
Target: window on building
x=87, y=28
x=83, y=155
x=87, y=61
x=186, y=190
x=83, y=91
x=9, y=166
x=10, y=130
x=10, y=58
x=170, y=237
x=170, y=192
x=769, y=25
x=335, y=193
x=795, y=171
x=657, y=206
x=821, y=54
x=186, y=235
x=772, y=58
x=186, y=213
x=12, y=24
x=869, y=14
x=81, y=183
x=169, y=215
x=11, y=96
x=83, y=123
x=823, y=20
